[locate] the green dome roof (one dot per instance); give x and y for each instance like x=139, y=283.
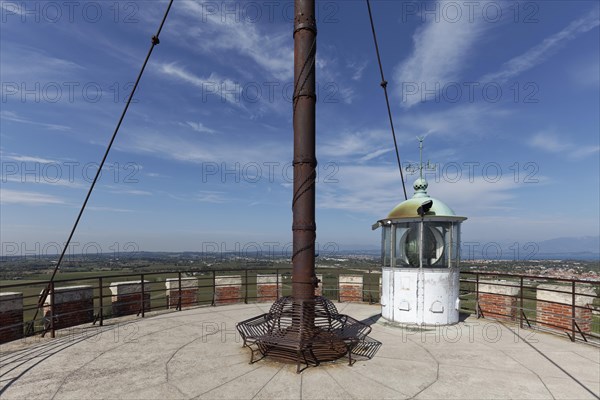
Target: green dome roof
x=408, y=208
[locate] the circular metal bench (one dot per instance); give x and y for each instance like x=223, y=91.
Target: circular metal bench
x=308, y=332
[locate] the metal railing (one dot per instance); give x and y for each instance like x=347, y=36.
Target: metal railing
x=521, y=308
x=580, y=322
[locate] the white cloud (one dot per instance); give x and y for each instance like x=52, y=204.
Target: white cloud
x=133, y=192
x=358, y=145
x=156, y=175
x=204, y=196
x=357, y=68
x=29, y=64
x=213, y=85
x=8, y=196
x=211, y=197
x=40, y=179
x=33, y=159
x=214, y=32
x=375, y=154
x=11, y=9
x=194, y=150
x=473, y=119
x=108, y=209
x=14, y=117
x=198, y=127
x=375, y=190
x=546, y=48
x=441, y=51
x=550, y=142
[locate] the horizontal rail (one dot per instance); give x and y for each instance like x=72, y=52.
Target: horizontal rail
x=157, y=297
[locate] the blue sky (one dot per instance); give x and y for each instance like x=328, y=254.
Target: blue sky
x=506, y=92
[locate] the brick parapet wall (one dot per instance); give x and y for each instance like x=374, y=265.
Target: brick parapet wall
x=268, y=287
x=228, y=289
x=189, y=292
x=73, y=305
x=497, y=301
x=351, y=288
x=11, y=316
x=127, y=298
x=555, y=310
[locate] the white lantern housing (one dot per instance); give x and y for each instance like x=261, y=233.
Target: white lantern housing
x=420, y=253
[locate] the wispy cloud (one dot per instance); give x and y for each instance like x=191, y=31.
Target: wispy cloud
x=441, y=49
x=213, y=85
x=109, y=209
x=133, y=192
x=550, y=142
x=156, y=175
x=193, y=150
x=40, y=179
x=14, y=117
x=357, y=68
x=472, y=119
x=539, y=53
x=8, y=196
x=26, y=64
x=204, y=196
x=32, y=159
x=271, y=51
x=197, y=127
x=11, y=8
x=375, y=190
x=358, y=145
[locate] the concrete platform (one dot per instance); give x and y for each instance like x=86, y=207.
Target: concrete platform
x=197, y=354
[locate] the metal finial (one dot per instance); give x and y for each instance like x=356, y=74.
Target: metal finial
x=421, y=139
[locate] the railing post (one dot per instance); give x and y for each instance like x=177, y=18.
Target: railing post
x=278, y=295
x=370, y=287
x=179, y=299
x=101, y=301
x=521, y=304
x=477, y=294
x=52, y=303
x=246, y=287
x=214, y=287
x=573, y=311
x=143, y=297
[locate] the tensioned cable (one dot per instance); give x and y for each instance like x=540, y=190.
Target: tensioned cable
x=387, y=100
x=155, y=41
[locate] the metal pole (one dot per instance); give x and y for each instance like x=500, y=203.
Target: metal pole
x=246, y=287
x=214, y=289
x=277, y=294
x=477, y=295
x=143, y=297
x=305, y=162
x=179, y=300
x=100, y=285
x=573, y=311
x=52, y=304
x=521, y=305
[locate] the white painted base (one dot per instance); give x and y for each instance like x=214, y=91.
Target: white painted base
x=422, y=297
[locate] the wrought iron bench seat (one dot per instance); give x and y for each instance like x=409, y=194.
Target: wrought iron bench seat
x=282, y=334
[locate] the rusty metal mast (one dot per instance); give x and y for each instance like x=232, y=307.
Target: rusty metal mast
x=305, y=162
x=304, y=328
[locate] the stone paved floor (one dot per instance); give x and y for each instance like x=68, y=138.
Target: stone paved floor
x=197, y=354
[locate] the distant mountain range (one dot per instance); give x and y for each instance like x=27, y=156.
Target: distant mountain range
x=584, y=244
x=573, y=248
